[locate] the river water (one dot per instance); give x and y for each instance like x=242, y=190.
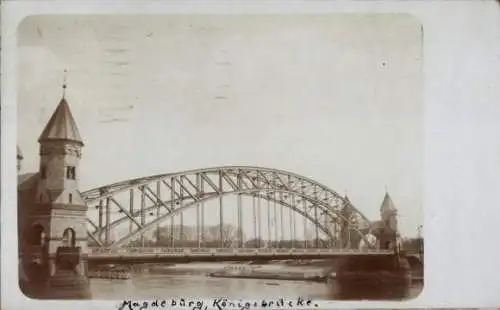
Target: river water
x=191, y=280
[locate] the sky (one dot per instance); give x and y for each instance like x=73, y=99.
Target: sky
x=336, y=98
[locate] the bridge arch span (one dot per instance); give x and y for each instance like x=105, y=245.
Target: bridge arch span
x=248, y=193
x=194, y=187
x=167, y=216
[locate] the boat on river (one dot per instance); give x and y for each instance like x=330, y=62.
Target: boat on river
x=250, y=272
x=111, y=272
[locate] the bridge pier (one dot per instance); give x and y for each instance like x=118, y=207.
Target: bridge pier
x=69, y=280
x=373, y=277
x=61, y=277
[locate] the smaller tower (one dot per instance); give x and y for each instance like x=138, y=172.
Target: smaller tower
x=389, y=213
x=388, y=234
x=19, y=159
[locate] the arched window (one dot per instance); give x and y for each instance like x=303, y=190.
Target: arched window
x=35, y=235
x=68, y=238
x=71, y=173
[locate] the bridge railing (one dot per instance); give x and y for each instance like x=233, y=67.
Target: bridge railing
x=225, y=251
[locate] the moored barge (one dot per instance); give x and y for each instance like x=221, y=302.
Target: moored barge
x=246, y=272
x=111, y=272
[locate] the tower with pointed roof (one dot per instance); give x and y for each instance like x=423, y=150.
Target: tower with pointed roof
x=387, y=228
x=389, y=213
x=60, y=154
x=55, y=219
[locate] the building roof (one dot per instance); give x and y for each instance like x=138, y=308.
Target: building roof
x=387, y=204
x=377, y=228
x=375, y=225
x=26, y=181
x=61, y=125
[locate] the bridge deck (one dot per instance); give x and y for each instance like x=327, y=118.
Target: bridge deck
x=213, y=254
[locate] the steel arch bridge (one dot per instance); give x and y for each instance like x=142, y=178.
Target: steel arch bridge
x=166, y=195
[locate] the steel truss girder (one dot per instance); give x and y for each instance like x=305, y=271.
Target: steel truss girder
x=164, y=217
x=224, y=181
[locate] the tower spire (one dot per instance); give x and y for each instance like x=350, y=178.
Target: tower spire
x=61, y=125
x=64, y=83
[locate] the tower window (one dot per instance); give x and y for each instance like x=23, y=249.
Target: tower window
x=68, y=237
x=70, y=172
x=70, y=198
x=43, y=172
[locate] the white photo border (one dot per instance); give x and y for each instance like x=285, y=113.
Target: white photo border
x=461, y=59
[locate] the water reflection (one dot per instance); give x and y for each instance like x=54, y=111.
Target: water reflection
x=371, y=292
x=191, y=280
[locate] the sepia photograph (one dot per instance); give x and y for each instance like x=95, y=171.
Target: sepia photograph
x=220, y=156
